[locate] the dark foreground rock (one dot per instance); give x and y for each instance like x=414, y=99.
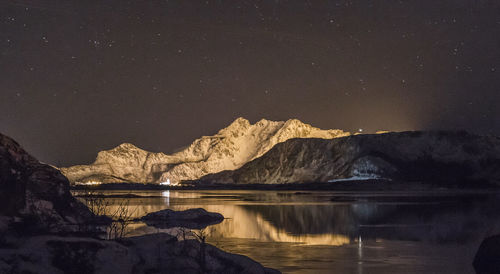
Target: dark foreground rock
x=156, y=253
x=487, y=260
x=195, y=218
x=445, y=158
x=36, y=193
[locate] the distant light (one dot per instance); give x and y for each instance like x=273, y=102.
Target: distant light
x=166, y=183
x=360, y=130
x=88, y=183
x=166, y=195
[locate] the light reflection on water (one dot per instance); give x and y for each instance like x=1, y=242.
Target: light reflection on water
x=334, y=232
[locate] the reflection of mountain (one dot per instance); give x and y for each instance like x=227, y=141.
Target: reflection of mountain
x=434, y=219
x=245, y=224
x=310, y=219
x=453, y=219
x=251, y=225
x=313, y=219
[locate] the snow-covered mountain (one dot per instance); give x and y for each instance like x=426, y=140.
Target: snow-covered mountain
x=229, y=149
x=440, y=157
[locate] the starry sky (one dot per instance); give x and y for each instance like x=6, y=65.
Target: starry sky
x=77, y=77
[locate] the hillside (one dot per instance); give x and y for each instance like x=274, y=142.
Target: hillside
x=445, y=157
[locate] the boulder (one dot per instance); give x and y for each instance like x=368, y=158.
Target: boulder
x=487, y=259
x=37, y=192
x=54, y=254
x=162, y=253
x=195, y=218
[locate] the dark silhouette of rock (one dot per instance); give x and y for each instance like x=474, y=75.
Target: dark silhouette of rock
x=195, y=218
x=155, y=253
x=185, y=257
x=442, y=157
x=37, y=192
x=487, y=260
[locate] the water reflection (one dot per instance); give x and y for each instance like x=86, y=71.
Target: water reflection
x=316, y=219
x=166, y=195
x=360, y=255
x=346, y=232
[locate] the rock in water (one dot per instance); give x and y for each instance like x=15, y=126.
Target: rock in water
x=441, y=157
x=229, y=149
x=195, y=218
x=487, y=260
x=30, y=188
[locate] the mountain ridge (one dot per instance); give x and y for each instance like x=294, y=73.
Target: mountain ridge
x=229, y=148
x=448, y=157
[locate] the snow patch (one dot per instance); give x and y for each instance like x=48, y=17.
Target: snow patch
x=365, y=168
x=362, y=170
x=357, y=178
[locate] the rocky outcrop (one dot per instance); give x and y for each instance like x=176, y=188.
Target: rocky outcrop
x=156, y=253
x=195, y=218
x=229, y=149
x=445, y=157
x=487, y=259
x=189, y=256
x=30, y=189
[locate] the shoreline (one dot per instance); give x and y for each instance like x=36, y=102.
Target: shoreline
x=361, y=186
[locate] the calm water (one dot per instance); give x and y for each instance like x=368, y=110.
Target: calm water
x=340, y=232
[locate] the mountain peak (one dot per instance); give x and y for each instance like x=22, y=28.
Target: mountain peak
x=126, y=146
x=240, y=121
x=238, y=124
x=123, y=152
x=295, y=122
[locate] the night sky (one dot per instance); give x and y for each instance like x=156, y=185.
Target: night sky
x=82, y=76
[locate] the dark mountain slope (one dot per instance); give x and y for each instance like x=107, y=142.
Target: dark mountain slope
x=447, y=157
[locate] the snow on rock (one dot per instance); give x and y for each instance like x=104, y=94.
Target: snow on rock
x=444, y=157
x=153, y=253
x=229, y=149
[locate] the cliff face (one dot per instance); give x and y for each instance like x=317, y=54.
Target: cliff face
x=412, y=156
x=28, y=187
x=229, y=149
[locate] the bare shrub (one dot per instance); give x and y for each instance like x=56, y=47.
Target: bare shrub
x=121, y=217
x=201, y=236
x=96, y=202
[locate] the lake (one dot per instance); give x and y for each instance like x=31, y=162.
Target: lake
x=339, y=232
